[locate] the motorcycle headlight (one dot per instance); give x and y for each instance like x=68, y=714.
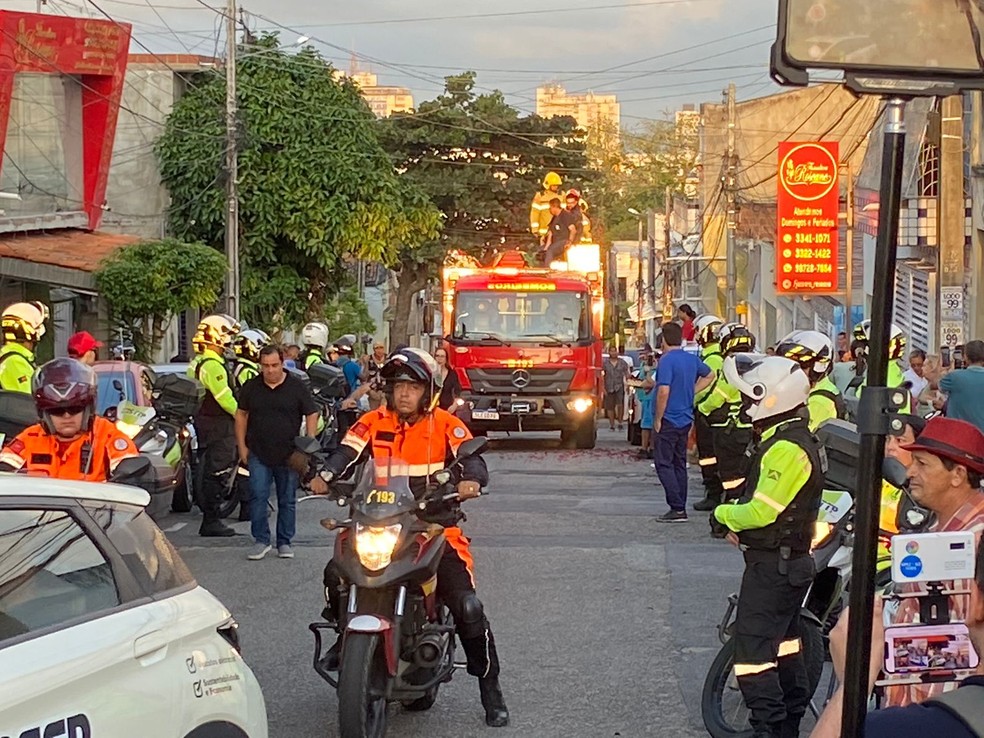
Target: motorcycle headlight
x=821, y=532
x=375, y=545
x=130, y=430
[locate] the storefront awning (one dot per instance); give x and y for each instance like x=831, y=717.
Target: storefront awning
x=62, y=258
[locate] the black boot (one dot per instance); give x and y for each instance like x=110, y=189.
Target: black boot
x=706, y=505
x=244, y=511
x=215, y=529
x=496, y=712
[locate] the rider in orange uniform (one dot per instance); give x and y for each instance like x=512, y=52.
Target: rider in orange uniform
x=412, y=429
x=71, y=441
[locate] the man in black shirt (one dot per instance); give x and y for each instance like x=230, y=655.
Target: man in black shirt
x=271, y=408
x=561, y=232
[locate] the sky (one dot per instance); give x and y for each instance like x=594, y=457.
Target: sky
x=656, y=55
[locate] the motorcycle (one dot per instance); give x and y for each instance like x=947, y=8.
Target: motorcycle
x=722, y=706
x=328, y=387
x=398, y=638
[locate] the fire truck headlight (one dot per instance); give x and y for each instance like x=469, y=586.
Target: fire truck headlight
x=580, y=404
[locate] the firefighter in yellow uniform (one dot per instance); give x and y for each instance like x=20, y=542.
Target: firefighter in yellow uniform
x=540, y=208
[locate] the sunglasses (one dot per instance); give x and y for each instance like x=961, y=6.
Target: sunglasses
x=62, y=412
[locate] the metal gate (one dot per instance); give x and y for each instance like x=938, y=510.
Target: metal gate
x=915, y=306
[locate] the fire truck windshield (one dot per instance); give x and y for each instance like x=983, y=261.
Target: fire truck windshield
x=517, y=317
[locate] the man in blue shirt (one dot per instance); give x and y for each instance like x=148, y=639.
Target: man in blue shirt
x=965, y=387
x=679, y=375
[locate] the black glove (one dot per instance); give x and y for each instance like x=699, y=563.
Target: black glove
x=718, y=529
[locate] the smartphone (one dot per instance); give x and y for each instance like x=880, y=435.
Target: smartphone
x=945, y=356
x=917, y=649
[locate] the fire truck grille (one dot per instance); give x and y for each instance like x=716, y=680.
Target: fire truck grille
x=520, y=381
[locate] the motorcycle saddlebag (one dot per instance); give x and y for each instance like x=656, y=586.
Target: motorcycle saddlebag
x=178, y=396
x=843, y=444
x=328, y=381
x=17, y=412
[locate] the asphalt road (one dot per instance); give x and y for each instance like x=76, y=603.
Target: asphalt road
x=604, y=618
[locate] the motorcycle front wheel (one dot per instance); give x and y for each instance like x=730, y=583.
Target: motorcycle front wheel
x=184, y=492
x=361, y=687
x=721, y=704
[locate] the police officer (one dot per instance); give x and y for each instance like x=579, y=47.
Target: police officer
x=23, y=326
x=412, y=428
x=731, y=432
x=773, y=525
x=814, y=351
x=215, y=422
x=896, y=351
x=71, y=441
x=246, y=347
x=314, y=336
x=706, y=332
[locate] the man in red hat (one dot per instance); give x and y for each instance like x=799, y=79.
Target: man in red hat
x=944, y=477
x=82, y=346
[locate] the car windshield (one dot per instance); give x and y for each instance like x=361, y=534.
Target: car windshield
x=108, y=395
x=383, y=490
x=531, y=317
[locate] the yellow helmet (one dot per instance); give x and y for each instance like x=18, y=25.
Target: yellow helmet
x=552, y=180
x=215, y=330
x=24, y=321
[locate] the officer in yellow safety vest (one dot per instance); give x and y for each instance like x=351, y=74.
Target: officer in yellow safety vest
x=540, y=214
x=22, y=325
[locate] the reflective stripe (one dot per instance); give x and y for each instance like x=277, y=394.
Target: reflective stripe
x=769, y=501
x=789, y=648
x=11, y=459
x=734, y=484
x=709, y=461
x=751, y=669
x=354, y=442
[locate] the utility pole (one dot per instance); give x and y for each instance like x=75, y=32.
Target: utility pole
x=730, y=215
x=651, y=266
x=667, y=282
x=232, y=169
x=848, y=247
x=950, y=222
x=640, y=285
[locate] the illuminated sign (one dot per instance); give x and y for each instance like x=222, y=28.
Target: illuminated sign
x=807, y=204
x=523, y=286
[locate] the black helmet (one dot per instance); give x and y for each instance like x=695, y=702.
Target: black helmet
x=64, y=384
x=411, y=365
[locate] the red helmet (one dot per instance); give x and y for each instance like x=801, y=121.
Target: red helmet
x=62, y=384
x=572, y=193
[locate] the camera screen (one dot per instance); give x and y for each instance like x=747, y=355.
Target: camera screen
x=930, y=648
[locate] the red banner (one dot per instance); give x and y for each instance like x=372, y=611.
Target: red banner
x=807, y=202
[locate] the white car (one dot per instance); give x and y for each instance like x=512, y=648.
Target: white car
x=104, y=633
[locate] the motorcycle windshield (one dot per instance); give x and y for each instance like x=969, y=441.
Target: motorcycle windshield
x=384, y=490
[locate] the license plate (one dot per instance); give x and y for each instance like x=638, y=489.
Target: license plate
x=521, y=408
x=485, y=414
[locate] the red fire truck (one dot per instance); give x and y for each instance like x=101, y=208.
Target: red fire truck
x=526, y=343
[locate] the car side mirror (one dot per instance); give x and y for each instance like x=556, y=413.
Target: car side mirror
x=472, y=447
x=307, y=445
x=894, y=472
x=131, y=468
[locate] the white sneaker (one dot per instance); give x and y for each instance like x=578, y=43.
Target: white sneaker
x=258, y=551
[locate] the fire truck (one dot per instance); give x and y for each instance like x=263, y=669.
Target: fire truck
x=526, y=343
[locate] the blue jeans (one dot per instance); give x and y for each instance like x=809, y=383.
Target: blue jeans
x=261, y=477
x=671, y=463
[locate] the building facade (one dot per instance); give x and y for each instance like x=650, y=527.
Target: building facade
x=591, y=111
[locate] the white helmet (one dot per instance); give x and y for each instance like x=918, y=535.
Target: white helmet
x=315, y=334
x=896, y=338
x=217, y=329
x=774, y=384
x=706, y=328
x=24, y=321
x=248, y=343
x=812, y=350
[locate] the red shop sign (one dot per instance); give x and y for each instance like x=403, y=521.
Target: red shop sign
x=807, y=202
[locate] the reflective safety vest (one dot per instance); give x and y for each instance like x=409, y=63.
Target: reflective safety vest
x=16, y=368
x=210, y=369
x=825, y=403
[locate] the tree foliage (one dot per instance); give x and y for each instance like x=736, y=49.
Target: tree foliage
x=479, y=162
x=148, y=283
x=316, y=188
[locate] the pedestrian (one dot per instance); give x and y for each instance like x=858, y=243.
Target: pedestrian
x=292, y=353
x=686, y=316
x=964, y=388
x=915, y=375
x=773, y=523
x=271, y=409
x=374, y=362
x=679, y=376
x=843, y=346
x=644, y=386
x=82, y=346
x=616, y=373
x=447, y=378
x=561, y=233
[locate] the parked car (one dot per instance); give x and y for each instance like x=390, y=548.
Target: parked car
x=103, y=629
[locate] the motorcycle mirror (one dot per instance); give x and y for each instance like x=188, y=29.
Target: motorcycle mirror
x=472, y=447
x=131, y=468
x=894, y=472
x=117, y=385
x=307, y=445
x=442, y=477
x=912, y=517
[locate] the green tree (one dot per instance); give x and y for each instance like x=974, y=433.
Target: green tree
x=479, y=162
x=148, y=283
x=348, y=313
x=316, y=189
